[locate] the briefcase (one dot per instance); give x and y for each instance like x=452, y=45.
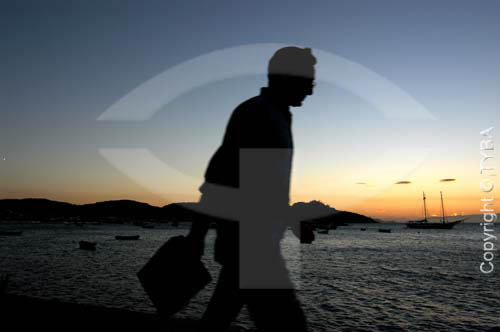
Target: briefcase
x=173, y=276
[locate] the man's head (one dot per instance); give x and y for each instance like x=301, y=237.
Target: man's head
x=291, y=74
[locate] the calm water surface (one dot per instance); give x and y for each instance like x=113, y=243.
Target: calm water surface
x=348, y=280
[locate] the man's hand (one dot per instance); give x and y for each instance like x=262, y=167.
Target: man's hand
x=196, y=238
x=303, y=231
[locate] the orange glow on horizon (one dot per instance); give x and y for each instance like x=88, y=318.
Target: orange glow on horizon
x=379, y=196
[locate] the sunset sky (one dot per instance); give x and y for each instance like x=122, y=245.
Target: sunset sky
x=64, y=63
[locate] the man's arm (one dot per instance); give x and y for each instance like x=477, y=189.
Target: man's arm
x=303, y=230
x=197, y=235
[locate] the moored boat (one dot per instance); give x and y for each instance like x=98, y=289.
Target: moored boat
x=426, y=224
x=4, y=281
x=87, y=245
x=127, y=237
x=11, y=233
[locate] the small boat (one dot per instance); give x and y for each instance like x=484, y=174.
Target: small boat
x=4, y=281
x=323, y=231
x=363, y=229
x=127, y=237
x=384, y=230
x=421, y=224
x=87, y=245
x=11, y=233
x=425, y=224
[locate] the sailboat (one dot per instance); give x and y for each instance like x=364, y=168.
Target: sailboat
x=425, y=224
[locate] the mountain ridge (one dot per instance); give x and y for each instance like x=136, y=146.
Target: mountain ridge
x=123, y=210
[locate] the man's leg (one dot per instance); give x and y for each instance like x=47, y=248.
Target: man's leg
x=225, y=303
x=275, y=310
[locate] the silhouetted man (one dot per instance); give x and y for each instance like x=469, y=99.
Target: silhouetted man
x=247, y=184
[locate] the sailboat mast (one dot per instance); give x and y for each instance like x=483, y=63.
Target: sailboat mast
x=425, y=207
x=442, y=206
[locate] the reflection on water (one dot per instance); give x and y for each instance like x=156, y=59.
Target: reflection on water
x=419, y=280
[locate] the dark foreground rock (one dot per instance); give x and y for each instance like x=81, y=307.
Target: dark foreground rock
x=20, y=312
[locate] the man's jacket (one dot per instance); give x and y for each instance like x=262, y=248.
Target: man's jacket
x=248, y=178
x=256, y=153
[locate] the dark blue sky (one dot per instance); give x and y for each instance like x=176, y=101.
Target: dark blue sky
x=63, y=63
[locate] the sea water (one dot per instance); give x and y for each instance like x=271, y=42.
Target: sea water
x=347, y=280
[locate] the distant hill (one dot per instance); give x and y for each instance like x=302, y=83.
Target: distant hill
x=34, y=208
x=186, y=211
x=320, y=213
x=119, y=211
x=40, y=209
x=121, y=208
x=47, y=210
x=469, y=219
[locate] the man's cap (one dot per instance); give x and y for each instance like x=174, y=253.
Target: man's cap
x=292, y=61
